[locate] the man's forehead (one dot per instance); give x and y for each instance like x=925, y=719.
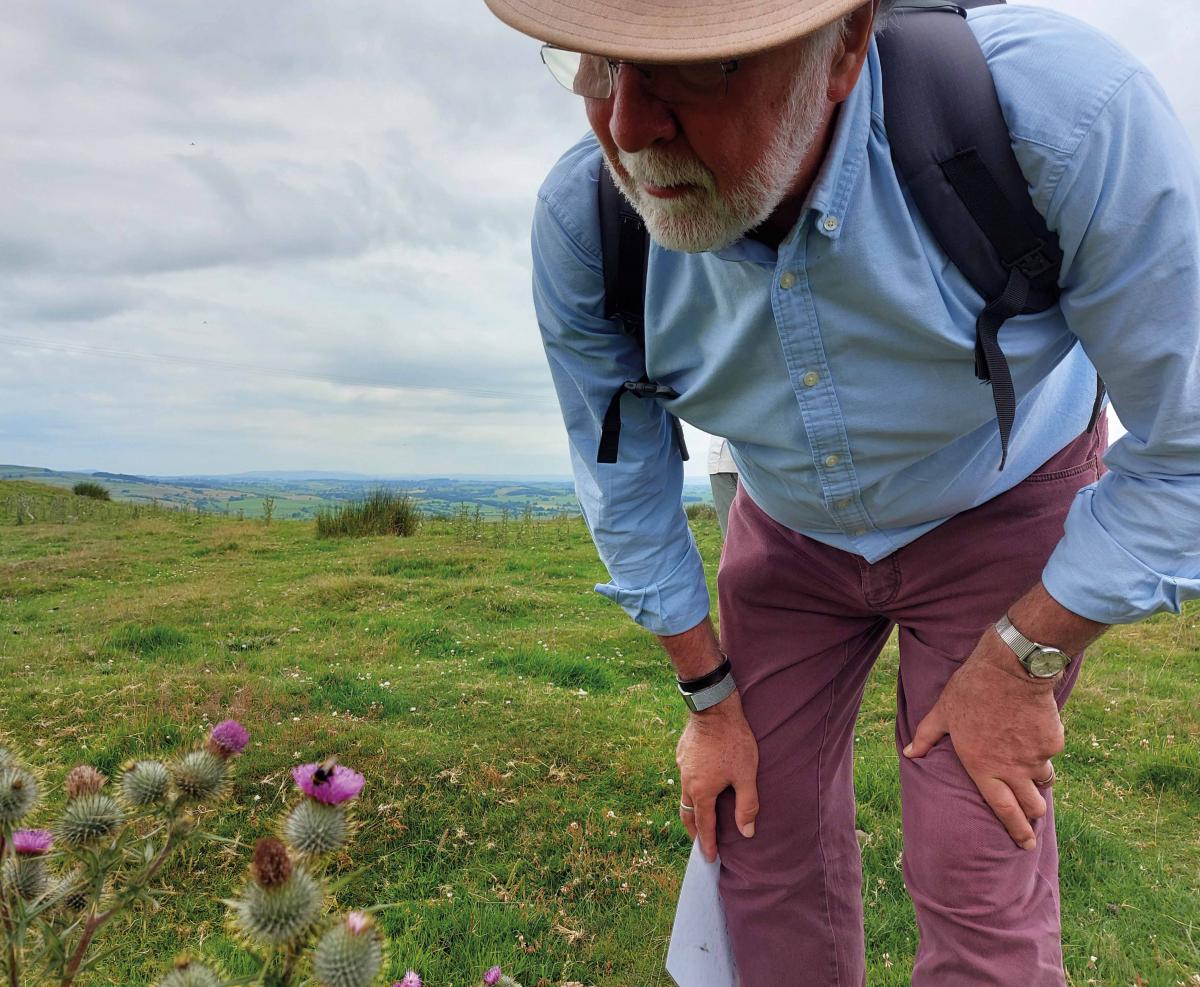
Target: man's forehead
x=670, y=31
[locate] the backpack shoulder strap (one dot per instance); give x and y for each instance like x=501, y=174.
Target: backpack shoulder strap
x=625, y=246
x=952, y=149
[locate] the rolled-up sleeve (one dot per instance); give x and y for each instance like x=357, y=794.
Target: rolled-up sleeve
x=634, y=507
x=1127, y=210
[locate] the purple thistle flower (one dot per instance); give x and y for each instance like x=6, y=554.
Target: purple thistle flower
x=410, y=980
x=492, y=977
x=32, y=842
x=330, y=782
x=358, y=922
x=228, y=738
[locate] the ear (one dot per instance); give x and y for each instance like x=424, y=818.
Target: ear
x=856, y=42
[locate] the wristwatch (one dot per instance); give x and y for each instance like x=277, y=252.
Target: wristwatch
x=708, y=690
x=1040, y=661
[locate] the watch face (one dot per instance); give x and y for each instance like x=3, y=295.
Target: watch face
x=1045, y=663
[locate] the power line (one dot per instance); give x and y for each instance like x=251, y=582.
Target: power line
x=246, y=368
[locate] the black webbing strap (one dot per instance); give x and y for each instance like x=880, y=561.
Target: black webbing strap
x=989, y=358
x=625, y=246
x=1027, y=258
x=610, y=430
x=1098, y=406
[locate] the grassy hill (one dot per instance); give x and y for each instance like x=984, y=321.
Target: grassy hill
x=517, y=734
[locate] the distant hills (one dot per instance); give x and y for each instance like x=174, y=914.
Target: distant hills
x=300, y=493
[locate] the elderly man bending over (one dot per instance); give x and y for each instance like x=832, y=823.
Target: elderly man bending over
x=798, y=304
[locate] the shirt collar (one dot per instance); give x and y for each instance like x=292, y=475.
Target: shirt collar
x=831, y=194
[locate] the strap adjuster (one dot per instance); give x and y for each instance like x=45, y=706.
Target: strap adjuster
x=1035, y=263
x=649, y=389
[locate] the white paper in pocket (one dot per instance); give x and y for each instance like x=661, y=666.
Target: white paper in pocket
x=700, y=954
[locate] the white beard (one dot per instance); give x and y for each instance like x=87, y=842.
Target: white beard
x=702, y=218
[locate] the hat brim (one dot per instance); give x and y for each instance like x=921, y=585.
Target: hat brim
x=669, y=31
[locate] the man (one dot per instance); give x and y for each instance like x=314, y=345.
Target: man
x=722, y=478
x=798, y=305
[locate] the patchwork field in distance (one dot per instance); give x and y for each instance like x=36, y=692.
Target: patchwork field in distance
x=517, y=733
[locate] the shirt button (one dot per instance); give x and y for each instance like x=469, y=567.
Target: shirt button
x=831, y=224
x=860, y=532
x=832, y=461
x=811, y=378
x=841, y=505
x=787, y=281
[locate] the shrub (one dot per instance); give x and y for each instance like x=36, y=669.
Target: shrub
x=382, y=512
x=90, y=489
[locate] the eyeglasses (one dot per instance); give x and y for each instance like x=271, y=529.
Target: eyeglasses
x=595, y=77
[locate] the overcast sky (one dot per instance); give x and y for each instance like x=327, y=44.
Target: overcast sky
x=222, y=223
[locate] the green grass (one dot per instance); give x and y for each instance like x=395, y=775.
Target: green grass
x=517, y=733
x=93, y=490
x=380, y=512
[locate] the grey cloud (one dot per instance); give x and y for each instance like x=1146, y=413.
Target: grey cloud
x=303, y=187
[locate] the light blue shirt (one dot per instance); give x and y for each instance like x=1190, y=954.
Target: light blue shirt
x=841, y=366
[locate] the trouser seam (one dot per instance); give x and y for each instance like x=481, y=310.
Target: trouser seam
x=833, y=691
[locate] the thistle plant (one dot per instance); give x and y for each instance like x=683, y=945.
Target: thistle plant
x=102, y=854
x=99, y=858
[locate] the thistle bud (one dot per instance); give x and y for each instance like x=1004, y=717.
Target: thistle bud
x=84, y=780
x=145, y=783
x=26, y=875
x=272, y=866
x=350, y=954
x=313, y=828
x=89, y=818
x=18, y=793
x=188, y=973
x=281, y=914
x=199, y=776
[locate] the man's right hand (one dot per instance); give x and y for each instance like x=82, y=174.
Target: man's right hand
x=717, y=751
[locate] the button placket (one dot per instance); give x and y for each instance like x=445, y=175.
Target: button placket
x=804, y=352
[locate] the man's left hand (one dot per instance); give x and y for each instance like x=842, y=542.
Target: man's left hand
x=1005, y=728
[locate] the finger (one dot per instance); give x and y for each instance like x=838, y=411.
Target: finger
x=687, y=818
x=1031, y=800
x=745, y=806
x=1004, y=804
x=706, y=826
x=929, y=731
x=1045, y=775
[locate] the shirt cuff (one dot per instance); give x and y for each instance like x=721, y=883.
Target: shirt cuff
x=674, y=604
x=1092, y=575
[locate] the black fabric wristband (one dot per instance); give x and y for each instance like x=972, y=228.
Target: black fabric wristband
x=705, y=681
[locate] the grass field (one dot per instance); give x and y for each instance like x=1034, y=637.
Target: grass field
x=517, y=733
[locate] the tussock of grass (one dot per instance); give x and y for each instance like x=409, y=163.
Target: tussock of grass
x=381, y=512
x=701, y=512
x=560, y=670
x=90, y=489
x=146, y=642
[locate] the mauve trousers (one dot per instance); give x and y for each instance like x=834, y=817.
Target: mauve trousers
x=802, y=624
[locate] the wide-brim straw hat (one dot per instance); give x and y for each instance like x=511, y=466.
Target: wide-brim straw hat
x=669, y=31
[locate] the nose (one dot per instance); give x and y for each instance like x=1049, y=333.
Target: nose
x=638, y=120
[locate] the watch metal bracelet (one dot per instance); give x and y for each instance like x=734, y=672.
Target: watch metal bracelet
x=1038, y=660
x=708, y=697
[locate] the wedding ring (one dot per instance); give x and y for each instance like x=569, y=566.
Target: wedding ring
x=1049, y=781
x=683, y=807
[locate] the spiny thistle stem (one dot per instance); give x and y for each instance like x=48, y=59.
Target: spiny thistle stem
x=14, y=974
x=98, y=920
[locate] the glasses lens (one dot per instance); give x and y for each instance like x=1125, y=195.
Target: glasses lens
x=584, y=75
x=699, y=81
